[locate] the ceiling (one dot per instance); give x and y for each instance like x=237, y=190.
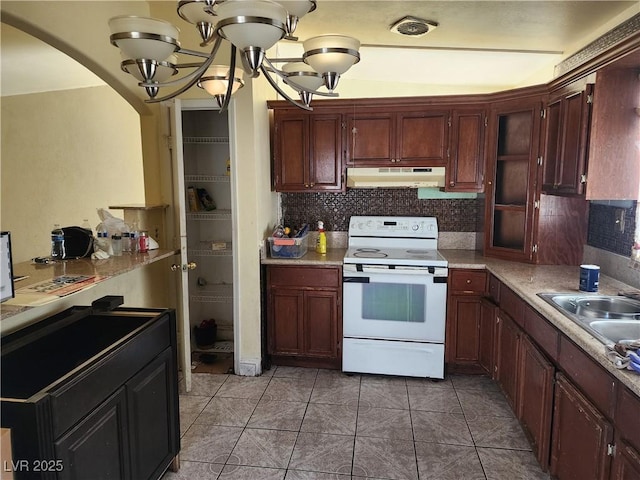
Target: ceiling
x=477, y=46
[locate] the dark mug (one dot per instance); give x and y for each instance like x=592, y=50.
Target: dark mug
x=589, y=278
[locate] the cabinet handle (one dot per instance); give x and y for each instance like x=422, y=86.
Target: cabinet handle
x=191, y=265
x=452, y=184
x=311, y=185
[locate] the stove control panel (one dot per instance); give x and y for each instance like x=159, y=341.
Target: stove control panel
x=421, y=227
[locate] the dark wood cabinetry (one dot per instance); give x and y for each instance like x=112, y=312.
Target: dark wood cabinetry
x=508, y=339
x=581, y=436
x=398, y=137
x=626, y=460
x=304, y=316
x=107, y=406
x=512, y=169
x=535, y=398
x=463, y=336
x=465, y=172
x=567, y=116
x=307, y=151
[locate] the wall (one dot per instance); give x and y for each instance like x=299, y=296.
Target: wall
x=64, y=154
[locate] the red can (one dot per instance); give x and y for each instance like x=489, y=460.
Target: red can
x=143, y=242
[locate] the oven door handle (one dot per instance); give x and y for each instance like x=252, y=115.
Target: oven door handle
x=355, y=279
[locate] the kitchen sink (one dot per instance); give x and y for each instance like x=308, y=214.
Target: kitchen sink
x=618, y=331
x=609, y=318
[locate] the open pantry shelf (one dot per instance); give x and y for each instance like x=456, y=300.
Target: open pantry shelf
x=220, y=293
x=207, y=178
x=219, y=214
x=205, y=140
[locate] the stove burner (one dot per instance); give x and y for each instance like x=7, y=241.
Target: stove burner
x=369, y=253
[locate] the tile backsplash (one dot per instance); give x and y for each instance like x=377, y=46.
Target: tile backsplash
x=603, y=233
x=335, y=209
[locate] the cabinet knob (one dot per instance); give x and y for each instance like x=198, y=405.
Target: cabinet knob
x=468, y=281
x=306, y=185
x=452, y=184
x=311, y=185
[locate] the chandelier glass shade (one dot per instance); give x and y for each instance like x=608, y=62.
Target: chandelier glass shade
x=149, y=49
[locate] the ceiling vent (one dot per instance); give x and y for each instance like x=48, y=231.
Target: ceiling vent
x=413, y=26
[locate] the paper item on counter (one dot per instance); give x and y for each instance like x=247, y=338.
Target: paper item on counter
x=62, y=286
x=31, y=299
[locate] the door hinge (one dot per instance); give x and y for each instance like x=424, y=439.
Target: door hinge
x=583, y=178
x=543, y=113
x=536, y=204
x=589, y=98
x=611, y=449
x=169, y=142
x=486, y=121
x=343, y=125
x=449, y=121
x=540, y=159
x=448, y=153
x=535, y=248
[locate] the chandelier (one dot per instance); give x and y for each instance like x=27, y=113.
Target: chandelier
x=149, y=49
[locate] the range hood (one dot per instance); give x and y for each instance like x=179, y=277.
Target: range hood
x=395, y=177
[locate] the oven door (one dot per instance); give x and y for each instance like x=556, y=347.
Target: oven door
x=401, y=303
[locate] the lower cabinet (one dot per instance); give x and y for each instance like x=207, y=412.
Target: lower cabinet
x=581, y=436
x=508, y=354
x=103, y=432
x=535, y=398
x=304, y=319
x=463, y=343
x=488, y=313
x=626, y=462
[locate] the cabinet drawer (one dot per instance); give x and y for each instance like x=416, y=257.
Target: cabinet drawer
x=591, y=378
x=628, y=417
x=468, y=281
x=544, y=334
x=512, y=305
x=81, y=394
x=300, y=277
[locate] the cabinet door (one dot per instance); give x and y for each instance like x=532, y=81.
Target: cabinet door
x=626, y=462
x=423, y=138
x=535, y=399
x=320, y=328
x=286, y=310
x=486, y=357
x=513, y=149
x=580, y=436
x=153, y=426
x=466, y=152
x=326, y=170
x=567, y=127
x=371, y=139
x=291, y=151
x=463, y=333
x=103, y=432
x=508, y=357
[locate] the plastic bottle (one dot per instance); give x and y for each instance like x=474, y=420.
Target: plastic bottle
x=102, y=238
x=57, y=243
x=126, y=239
x=321, y=242
x=85, y=224
x=116, y=245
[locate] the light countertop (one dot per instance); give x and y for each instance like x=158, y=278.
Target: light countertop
x=101, y=270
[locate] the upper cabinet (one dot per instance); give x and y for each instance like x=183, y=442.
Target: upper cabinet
x=307, y=151
x=465, y=172
x=512, y=169
x=398, y=137
x=614, y=169
x=564, y=163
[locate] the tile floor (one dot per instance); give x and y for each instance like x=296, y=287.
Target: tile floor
x=308, y=424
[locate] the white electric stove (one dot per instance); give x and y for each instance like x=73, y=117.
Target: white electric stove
x=394, y=297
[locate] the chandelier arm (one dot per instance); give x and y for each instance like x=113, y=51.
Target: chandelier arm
x=279, y=90
x=196, y=74
x=295, y=86
x=191, y=77
x=232, y=72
